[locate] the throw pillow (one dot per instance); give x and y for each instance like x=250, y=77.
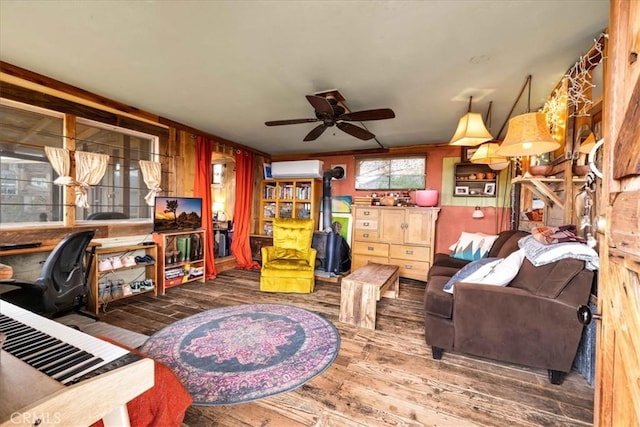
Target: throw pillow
x=472, y=246
x=466, y=271
x=500, y=273
x=539, y=254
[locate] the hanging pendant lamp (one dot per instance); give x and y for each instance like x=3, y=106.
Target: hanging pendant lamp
x=527, y=134
x=486, y=153
x=471, y=130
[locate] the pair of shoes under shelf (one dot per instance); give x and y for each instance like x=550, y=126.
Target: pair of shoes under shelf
x=129, y=261
x=112, y=263
x=146, y=285
x=147, y=259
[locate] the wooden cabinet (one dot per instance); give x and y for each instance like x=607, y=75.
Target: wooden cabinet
x=286, y=198
x=475, y=180
x=400, y=236
x=180, y=258
x=121, y=272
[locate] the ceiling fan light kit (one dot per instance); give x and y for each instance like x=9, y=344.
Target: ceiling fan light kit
x=329, y=111
x=471, y=130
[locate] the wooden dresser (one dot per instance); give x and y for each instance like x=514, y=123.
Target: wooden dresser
x=400, y=236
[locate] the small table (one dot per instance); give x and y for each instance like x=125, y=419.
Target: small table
x=362, y=289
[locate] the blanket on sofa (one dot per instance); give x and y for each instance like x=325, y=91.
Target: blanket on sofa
x=539, y=254
x=551, y=235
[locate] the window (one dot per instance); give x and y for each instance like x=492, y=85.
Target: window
x=122, y=189
x=217, y=173
x=27, y=192
x=390, y=173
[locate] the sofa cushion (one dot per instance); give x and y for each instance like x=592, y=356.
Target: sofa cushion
x=438, y=302
x=547, y=280
x=467, y=271
x=506, y=243
x=500, y=273
x=472, y=246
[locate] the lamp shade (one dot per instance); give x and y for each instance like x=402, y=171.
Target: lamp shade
x=471, y=131
x=486, y=154
x=587, y=144
x=527, y=134
x=477, y=213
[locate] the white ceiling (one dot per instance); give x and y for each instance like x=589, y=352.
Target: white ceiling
x=226, y=67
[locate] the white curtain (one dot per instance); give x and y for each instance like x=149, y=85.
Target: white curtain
x=90, y=168
x=152, y=174
x=60, y=161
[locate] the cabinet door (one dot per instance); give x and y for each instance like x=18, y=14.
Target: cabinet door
x=420, y=227
x=392, y=225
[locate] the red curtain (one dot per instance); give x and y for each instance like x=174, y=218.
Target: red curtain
x=240, y=247
x=202, y=188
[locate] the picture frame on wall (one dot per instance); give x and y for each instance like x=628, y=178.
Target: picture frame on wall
x=467, y=153
x=461, y=190
x=490, y=188
x=267, y=171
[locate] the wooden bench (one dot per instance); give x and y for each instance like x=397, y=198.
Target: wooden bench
x=362, y=289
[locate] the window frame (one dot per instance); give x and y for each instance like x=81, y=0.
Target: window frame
x=360, y=159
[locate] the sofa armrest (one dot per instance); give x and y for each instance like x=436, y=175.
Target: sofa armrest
x=445, y=260
x=514, y=325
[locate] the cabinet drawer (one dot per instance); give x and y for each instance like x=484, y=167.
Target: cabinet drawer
x=415, y=253
x=411, y=269
x=366, y=213
x=365, y=235
x=371, y=249
x=361, y=260
x=366, y=224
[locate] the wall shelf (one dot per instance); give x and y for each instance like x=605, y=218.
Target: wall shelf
x=546, y=188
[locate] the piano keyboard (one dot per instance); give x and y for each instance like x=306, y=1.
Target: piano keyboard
x=63, y=353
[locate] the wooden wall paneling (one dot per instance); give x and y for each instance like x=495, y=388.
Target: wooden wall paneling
x=617, y=394
x=69, y=193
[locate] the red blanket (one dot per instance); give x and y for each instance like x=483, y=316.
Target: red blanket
x=164, y=405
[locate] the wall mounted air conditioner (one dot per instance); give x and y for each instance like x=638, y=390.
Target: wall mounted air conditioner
x=297, y=169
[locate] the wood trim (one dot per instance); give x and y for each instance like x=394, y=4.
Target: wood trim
x=629, y=136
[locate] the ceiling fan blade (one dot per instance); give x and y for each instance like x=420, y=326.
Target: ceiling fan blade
x=289, y=122
x=366, y=115
x=320, y=104
x=354, y=130
x=315, y=132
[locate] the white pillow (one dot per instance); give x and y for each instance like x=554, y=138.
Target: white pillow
x=472, y=246
x=500, y=273
x=467, y=270
x=539, y=254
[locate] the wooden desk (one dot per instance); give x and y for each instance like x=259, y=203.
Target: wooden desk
x=38, y=249
x=25, y=251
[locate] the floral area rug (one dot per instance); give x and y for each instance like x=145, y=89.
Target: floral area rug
x=242, y=353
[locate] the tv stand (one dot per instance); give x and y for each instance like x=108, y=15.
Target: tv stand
x=181, y=257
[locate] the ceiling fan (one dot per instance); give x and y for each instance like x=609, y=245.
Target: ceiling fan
x=330, y=113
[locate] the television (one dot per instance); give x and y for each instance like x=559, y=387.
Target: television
x=177, y=213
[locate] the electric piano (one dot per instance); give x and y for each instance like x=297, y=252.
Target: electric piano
x=53, y=374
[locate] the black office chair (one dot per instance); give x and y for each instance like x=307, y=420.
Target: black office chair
x=61, y=286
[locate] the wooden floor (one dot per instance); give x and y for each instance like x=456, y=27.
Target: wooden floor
x=380, y=378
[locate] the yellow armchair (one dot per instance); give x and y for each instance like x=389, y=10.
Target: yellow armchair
x=289, y=265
